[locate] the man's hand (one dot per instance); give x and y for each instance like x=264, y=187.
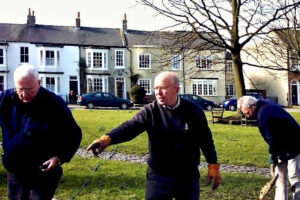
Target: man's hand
x=99, y=145
x=50, y=164
x=272, y=170
x=214, y=173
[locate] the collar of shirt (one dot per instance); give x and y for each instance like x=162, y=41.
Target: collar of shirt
x=174, y=107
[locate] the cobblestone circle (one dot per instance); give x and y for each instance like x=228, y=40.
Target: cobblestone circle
x=142, y=159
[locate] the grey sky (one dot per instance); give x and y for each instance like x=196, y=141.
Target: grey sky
x=94, y=13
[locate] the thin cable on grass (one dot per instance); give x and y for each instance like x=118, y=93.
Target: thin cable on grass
x=89, y=178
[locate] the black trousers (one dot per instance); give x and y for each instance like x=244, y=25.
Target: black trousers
x=163, y=187
x=33, y=186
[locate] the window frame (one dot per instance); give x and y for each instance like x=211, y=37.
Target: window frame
x=24, y=55
x=229, y=88
x=148, y=90
x=204, y=87
x=42, y=53
x=3, y=83
x=229, y=66
x=90, y=59
x=176, y=60
x=139, y=61
x=122, y=59
x=3, y=57
x=57, y=82
x=91, y=85
x=207, y=63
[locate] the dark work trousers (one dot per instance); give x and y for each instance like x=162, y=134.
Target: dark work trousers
x=161, y=187
x=33, y=186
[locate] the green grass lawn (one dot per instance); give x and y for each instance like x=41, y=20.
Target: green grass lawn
x=235, y=144
x=120, y=180
x=126, y=181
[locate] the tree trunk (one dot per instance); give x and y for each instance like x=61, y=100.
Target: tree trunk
x=238, y=76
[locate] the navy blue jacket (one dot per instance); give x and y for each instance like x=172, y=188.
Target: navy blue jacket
x=37, y=131
x=279, y=129
x=175, y=137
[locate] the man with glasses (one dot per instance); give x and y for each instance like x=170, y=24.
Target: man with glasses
x=282, y=133
x=177, y=130
x=39, y=134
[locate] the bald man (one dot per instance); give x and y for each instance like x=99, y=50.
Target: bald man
x=177, y=130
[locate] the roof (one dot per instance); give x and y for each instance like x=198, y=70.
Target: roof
x=61, y=35
x=164, y=39
x=143, y=38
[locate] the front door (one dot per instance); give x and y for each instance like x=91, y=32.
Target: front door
x=120, y=83
x=294, y=95
x=73, y=85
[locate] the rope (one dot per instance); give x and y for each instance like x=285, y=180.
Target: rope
x=89, y=178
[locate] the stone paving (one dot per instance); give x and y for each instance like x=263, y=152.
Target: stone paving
x=142, y=159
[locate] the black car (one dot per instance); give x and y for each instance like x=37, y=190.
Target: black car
x=205, y=104
x=103, y=99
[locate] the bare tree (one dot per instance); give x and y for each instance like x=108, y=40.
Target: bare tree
x=224, y=24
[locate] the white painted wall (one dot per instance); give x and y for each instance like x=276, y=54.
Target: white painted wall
x=69, y=60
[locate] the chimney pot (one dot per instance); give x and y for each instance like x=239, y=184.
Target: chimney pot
x=124, y=24
x=31, y=18
x=78, y=21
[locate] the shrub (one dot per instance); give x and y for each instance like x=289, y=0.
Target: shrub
x=137, y=94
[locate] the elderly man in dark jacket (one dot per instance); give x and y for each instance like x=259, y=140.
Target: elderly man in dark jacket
x=281, y=131
x=177, y=130
x=39, y=134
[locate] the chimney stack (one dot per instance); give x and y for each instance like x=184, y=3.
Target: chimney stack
x=30, y=18
x=124, y=23
x=78, y=21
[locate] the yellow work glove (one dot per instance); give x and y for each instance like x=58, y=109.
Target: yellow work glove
x=214, y=173
x=99, y=145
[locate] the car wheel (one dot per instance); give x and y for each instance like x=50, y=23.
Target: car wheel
x=232, y=108
x=209, y=108
x=124, y=106
x=90, y=105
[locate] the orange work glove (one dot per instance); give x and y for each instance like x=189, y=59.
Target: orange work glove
x=99, y=145
x=214, y=173
x=272, y=170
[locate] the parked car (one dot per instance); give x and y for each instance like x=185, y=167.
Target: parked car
x=103, y=99
x=231, y=104
x=205, y=104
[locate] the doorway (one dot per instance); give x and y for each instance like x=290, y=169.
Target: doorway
x=294, y=92
x=120, y=87
x=73, y=85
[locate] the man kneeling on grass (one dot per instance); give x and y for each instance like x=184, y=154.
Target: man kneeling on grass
x=177, y=130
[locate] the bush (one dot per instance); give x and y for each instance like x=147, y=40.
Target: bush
x=137, y=94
